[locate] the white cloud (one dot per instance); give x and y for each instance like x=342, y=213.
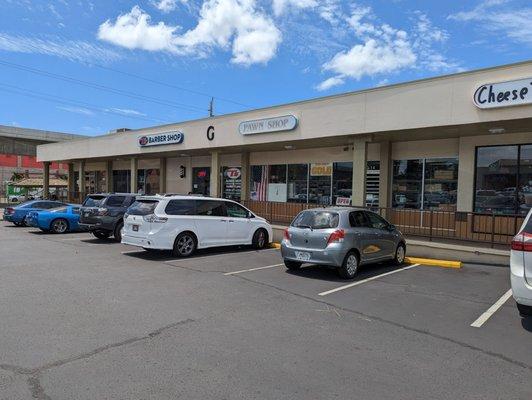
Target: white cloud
x=383, y=50
x=126, y=111
x=512, y=23
x=166, y=6
x=238, y=25
x=76, y=110
x=56, y=46
x=280, y=6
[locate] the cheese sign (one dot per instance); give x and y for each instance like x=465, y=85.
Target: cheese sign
x=276, y=124
x=158, y=139
x=504, y=94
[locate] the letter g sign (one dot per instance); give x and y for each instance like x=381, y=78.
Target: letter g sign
x=210, y=132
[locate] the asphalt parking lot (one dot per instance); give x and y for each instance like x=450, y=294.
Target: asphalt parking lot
x=83, y=318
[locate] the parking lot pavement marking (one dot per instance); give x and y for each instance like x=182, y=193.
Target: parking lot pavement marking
x=366, y=280
x=210, y=256
x=132, y=251
x=252, y=269
x=487, y=315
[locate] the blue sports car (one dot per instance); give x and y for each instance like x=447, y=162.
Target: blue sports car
x=57, y=220
x=18, y=214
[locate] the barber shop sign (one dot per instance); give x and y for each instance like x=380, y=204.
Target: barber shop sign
x=161, y=138
x=504, y=94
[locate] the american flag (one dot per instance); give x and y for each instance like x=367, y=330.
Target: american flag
x=261, y=187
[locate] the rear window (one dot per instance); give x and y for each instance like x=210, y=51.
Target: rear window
x=316, y=220
x=180, y=207
x=59, y=209
x=142, y=207
x=115, y=201
x=93, y=201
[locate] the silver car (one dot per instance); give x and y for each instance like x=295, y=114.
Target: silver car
x=342, y=238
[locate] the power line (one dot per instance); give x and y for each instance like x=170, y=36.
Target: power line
x=102, y=87
x=169, y=85
x=61, y=100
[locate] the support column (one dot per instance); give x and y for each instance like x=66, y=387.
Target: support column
x=134, y=171
x=244, y=168
x=360, y=162
x=46, y=180
x=71, y=185
x=215, y=174
x=109, y=176
x=162, y=175
x=385, y=180
x=81, y=181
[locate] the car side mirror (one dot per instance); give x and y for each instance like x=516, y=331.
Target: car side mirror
x=250, y=215
x=392, y=227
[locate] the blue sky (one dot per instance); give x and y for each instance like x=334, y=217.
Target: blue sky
x=90, y=66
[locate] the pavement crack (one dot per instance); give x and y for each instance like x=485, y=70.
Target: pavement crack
x=396, y=324
x=36, y=389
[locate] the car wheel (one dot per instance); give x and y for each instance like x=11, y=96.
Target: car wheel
x=59, y=225
x=400, y=254
x=184, y=245
x=260, y=239
x=292, y=265
x=349, y=267
x=118, y=231
x=524, y=311
x=17, y=223
x=101, y=234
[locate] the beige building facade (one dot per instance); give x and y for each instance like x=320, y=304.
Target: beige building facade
x=457, y=143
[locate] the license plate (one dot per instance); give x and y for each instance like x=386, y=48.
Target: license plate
x=302, y=255
x=135, y=228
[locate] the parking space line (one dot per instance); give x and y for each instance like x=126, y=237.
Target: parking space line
x=487, y=315
x=210, y=256
x=252, y=269
x=132, y=251
x=366, y=280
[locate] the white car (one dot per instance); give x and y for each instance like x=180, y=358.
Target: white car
x=521, y=267
x=186, y=223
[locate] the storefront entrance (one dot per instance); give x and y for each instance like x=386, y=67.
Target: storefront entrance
x=201, y=180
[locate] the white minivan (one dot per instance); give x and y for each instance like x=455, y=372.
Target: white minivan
x=521, y=267
x=186, y=223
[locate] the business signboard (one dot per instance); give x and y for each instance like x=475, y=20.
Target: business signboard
x=266, y=125
x=158, y=139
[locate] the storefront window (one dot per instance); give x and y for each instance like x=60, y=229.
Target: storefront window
x=441, y=183
x=232, y=183
x=121, y=181
x=277, y=188
x=148, y=181
x=297, y=183
x=201, y=180
x=407, y=183
x=342, y=181
x=320, y=183
x=503, y=183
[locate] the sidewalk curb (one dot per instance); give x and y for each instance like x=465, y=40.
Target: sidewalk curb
x=434, y=262
x=275, y=245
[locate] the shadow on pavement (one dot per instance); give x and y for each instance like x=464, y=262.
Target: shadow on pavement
x=166, y=255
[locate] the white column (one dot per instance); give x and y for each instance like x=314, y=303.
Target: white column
x=134, y=171
x=360, y=161
x=81, y=181
x=162, y=175
x=215, y=174
x=385, y=174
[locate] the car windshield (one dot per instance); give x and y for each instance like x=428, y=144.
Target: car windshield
x=316, y=220
x=93, y=201
x=142, y=207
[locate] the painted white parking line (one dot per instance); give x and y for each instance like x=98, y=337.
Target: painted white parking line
x=132, y=251
x=252, y=269
x=366, y=280
x=487, y=315
x=221, y=254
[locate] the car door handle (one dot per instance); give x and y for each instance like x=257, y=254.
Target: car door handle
x=231, y=220
x=223, y=220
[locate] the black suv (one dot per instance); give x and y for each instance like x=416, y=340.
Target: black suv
x=103, y=214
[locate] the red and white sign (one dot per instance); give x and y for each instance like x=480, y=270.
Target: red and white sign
x=343, y=201
x=233, y=173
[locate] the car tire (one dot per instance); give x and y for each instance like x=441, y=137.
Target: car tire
x=102, y=235
x=400, y=254
x=118, y=231
x=349, y=267
x=524, y=311
x=17, y=223
x=23, y=222
x=260, y=239
x=292, y=265
x=185, y=245
x=59, y=225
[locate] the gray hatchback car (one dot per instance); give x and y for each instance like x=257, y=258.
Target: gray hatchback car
x=342, y=238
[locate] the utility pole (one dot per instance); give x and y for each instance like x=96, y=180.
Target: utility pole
x=211, y=107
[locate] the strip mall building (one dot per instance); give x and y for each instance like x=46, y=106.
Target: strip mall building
x=460, y=144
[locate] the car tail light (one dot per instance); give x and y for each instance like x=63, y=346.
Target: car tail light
x=337, y=236
x=154, y=219
x=522, y=242
x=10, y=210
x=286, y=235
